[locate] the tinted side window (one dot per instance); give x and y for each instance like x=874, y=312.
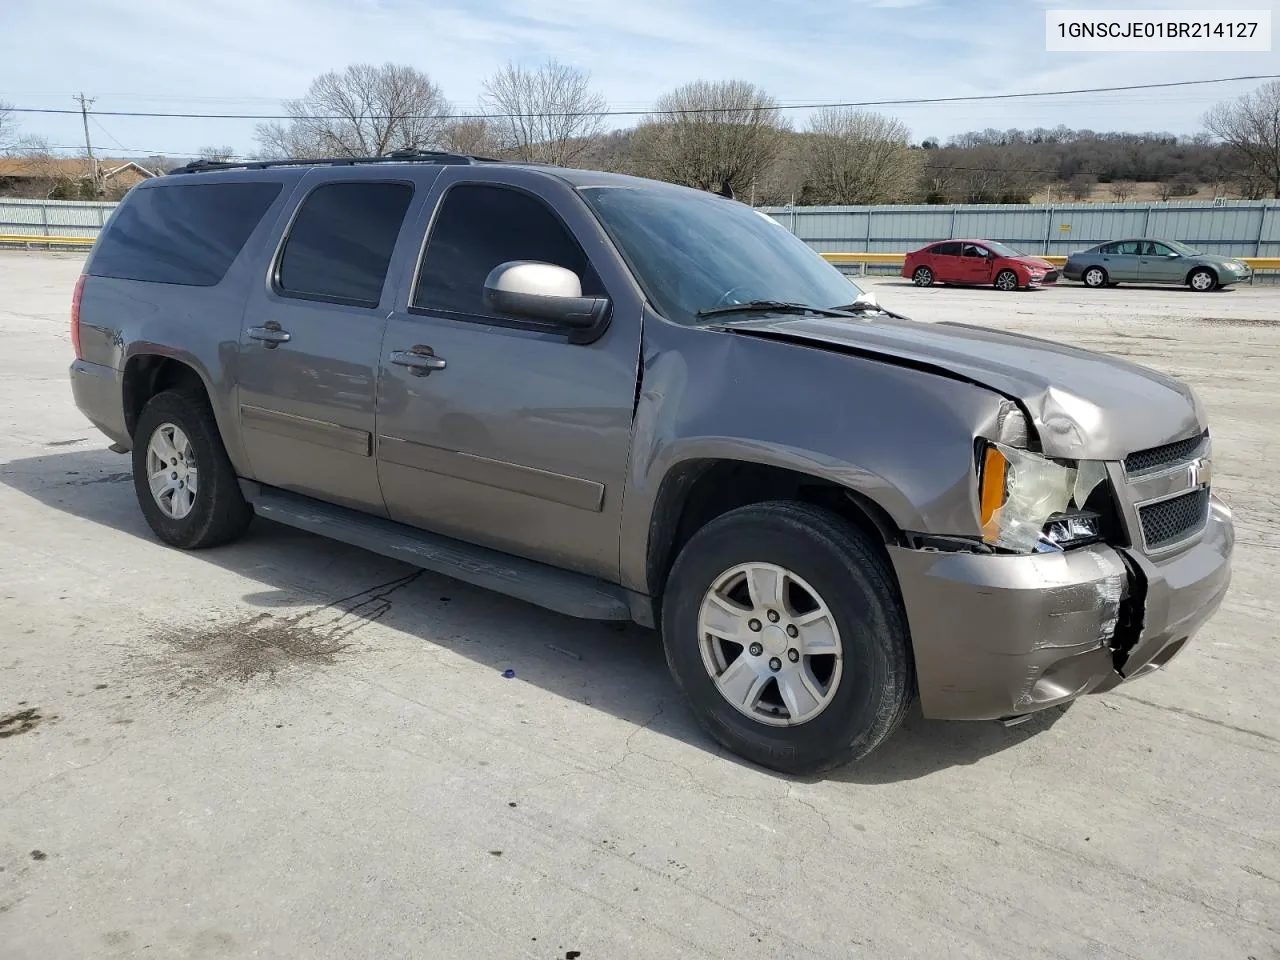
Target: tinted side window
x=480, y=226
x=973, y=250
x=1129, y=248
x=1109, y=249
x=1157, y=250
x=186, y=234
x=946, y=250
x=341, y=242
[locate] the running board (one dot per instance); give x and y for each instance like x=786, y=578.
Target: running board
x=573, y=594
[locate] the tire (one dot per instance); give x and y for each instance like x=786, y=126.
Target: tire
x=1202, y=280
x=217, y=512
x=867, y=694
x=1095, y=277
x=922, y=277
x=1007, y=281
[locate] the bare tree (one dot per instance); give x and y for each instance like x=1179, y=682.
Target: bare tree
x=1080, y=187
x=217, y=154
x=361, y=111
x=545, y=115
x=706, y=134
x=1121, y=190
x=471, y=135
x=1250, y=126
x=856, y=157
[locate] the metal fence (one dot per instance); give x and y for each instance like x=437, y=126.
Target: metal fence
x=1237, y=228
x=52, y=218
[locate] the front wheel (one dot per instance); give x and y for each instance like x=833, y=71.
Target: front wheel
x=184, y=481
x=1007, y=281
x=783, y=626
x=1202, y=280
x=923, y=277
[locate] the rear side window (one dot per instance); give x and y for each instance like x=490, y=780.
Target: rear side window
x=341, y=243
x=187, y=234
x=479, y=227
x=946, y=250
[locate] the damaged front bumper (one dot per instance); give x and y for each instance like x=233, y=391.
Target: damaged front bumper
x=997, y=636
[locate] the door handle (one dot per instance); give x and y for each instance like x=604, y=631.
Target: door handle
x=270, y=334
x=420, y=360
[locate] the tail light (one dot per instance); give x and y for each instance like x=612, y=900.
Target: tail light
x=75, y=316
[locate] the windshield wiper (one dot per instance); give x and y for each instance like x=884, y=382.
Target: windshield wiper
x=771, y=306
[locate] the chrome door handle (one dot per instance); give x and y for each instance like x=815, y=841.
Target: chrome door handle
x=270, y=334
x=420, y=360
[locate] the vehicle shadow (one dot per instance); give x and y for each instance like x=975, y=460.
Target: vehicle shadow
x=616, y=668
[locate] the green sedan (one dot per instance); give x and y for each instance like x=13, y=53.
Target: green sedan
x=1153, y=261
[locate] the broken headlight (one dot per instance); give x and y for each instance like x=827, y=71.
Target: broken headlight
x=1029, y=503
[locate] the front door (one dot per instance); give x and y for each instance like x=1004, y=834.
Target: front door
x=310, y=343
x=509, y=435
x=976, y=264
x=1159, y=263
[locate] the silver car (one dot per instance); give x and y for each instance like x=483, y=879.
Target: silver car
x=1153, y=261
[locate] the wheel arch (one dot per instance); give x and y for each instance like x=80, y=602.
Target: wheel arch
x=1217, y=278
x=146, y=374
x=694, y=492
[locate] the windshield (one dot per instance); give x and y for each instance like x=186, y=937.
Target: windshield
x=1181, y=248
x=692, y=251
x=1001, y=250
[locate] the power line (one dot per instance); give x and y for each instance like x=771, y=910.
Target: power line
x=683, y=111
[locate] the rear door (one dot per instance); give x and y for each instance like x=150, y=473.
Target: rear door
x=976, y=264
x=945, y=259
x=517, y=439
x=312, y=335
x=1120, y=260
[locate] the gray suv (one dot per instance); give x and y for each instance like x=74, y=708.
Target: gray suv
x=626, y=400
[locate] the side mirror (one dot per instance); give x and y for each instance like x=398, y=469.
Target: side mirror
x=543, y=291
x=1172, y=256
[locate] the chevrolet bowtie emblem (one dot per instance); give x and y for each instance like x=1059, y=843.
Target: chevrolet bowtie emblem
x=1199, y=472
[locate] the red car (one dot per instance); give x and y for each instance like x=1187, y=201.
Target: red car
x=978, y=263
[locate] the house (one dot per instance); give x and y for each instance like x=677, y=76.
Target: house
x=68, y=178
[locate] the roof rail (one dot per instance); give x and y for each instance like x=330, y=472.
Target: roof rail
x=398, y=156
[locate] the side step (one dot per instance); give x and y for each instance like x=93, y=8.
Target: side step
x=573, y=594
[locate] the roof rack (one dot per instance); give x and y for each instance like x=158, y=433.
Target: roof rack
x=398, y=156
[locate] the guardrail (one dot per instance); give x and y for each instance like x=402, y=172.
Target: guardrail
x=27, y=240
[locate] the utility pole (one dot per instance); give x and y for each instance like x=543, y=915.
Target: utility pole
x=85, y=104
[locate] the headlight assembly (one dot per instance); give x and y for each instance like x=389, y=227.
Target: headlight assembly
x=1029, y=503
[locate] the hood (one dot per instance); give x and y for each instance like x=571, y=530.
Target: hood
x=1034, y=262
x=1084, y=405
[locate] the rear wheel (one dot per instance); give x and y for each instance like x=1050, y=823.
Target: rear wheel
x=1095, y=277
x=782, y=625
x=1202, y=280
x=1006, y=280
x=923, y=277
x=185, y=483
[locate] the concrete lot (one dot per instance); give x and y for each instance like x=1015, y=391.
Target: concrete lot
x=291, y=748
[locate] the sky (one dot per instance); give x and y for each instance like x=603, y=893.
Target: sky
x=246, y=56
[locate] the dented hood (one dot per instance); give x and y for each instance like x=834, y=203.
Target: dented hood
x=1084, y=405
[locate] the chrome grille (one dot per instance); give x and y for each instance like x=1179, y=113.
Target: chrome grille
x=1175, y=519
x=1155, y=457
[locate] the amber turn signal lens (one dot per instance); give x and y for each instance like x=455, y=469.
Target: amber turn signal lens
x=995, y=468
